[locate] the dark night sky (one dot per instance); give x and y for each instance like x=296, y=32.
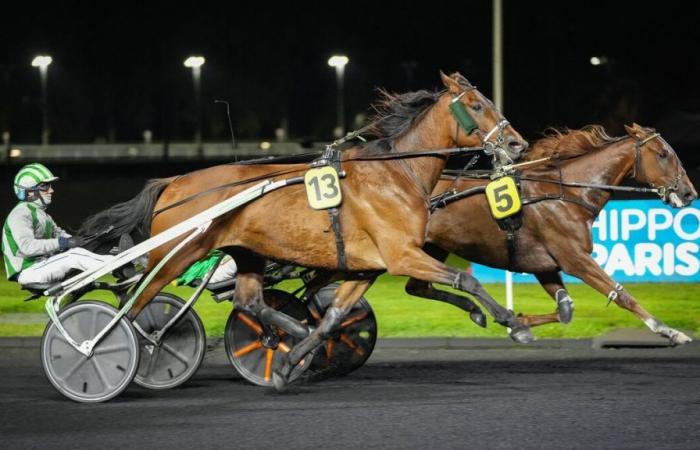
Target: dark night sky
x=118, y=70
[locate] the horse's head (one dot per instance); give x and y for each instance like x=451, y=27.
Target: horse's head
x=656, y=164
x=476, y=119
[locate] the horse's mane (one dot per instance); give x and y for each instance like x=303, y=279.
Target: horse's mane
x=566, y=143
x=396, y=113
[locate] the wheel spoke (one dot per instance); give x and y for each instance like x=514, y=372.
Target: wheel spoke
x=346, y=340
x=284, y=347
x=74, y=369
x=317, y=317
x=183, y=359
x=111, y=349
x=152, y=360
x=250, y=323
x=268, y=363
x=93, y=331
x=247, y=349
x=100, y=373
x=352, y=320
x=329, y=351
x=150, y=318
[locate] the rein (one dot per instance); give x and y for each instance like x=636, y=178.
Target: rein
x=398, y=155
x=458, y=110
x=404, y=155
x=450, y=196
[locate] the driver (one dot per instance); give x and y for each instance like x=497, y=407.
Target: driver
x=34, y=248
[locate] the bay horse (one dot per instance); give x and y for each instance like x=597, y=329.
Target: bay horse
x=383, y=215
x=555, y=234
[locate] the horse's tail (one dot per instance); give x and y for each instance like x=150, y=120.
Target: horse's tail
x=130, y=217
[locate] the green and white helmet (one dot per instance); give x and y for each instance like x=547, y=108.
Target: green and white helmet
x=29, y=177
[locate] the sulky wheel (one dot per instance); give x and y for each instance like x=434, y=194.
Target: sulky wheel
x=179, y=353
x=352, y=344
x=110, y=368
x=244, y=344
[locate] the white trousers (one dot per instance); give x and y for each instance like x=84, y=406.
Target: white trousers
x=226, y=270
x=55, y=268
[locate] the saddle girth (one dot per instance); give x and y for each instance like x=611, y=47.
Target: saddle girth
x=332, y=158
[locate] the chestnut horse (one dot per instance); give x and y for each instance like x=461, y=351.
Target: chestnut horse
x=383, y=216
x=555, y=234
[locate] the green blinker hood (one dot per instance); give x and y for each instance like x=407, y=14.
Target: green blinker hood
x=459, y=111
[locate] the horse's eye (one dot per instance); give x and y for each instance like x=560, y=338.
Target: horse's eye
x=663, y=154
x=477, y=107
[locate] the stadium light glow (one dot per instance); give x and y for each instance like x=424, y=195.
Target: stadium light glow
x=41, y=61
x=598, y=60
x=194, y=61
x=338, y=60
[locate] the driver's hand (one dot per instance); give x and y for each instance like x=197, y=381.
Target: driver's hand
x=65, y=243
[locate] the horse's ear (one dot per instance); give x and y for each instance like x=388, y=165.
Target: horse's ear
x=451, y=84
x=634, y=130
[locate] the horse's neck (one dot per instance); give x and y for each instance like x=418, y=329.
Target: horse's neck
x=608, y=166
x=427, y=169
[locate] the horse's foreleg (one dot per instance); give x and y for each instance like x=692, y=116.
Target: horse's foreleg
x=415, y=263
x=299, y=357
x=424, y=289
x=591, y=273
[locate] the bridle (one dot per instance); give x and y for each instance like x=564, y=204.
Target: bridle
x=662, y=191
x=469, y=126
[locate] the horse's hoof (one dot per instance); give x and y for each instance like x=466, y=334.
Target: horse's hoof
x=565, y=311
x=279, y=382
x=478, y=318
x=680, y=339
x=522, y=335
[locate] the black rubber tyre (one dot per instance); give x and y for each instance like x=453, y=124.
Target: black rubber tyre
x=111, y=367
x=351, y=345
x=181, y=349
x=242, y=338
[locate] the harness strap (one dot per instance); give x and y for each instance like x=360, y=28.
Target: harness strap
x=334, y=217
x=332, y=156
x=581, y=203
x=224, y=186
x=401, y=155
x=448, y=197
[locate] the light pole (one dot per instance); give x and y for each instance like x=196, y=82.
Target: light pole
x=196, y=62
x=42, y=62
x=339, y=62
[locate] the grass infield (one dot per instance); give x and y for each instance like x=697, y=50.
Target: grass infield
x=400, y=315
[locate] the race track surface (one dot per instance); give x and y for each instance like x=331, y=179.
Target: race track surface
x=477, y=394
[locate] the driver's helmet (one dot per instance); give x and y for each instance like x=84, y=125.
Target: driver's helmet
x=31, y=176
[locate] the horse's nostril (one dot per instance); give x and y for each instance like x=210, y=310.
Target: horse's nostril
x=517, y=145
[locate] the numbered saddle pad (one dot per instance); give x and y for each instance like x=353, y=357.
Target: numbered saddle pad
x=503, y=197
x=323, y=187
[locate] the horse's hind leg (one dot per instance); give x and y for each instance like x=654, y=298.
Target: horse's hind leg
x=415, y=263
x=249, y=296
x=554, y=286
x=169, y=272
x=424, y=289
x=345, y=298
